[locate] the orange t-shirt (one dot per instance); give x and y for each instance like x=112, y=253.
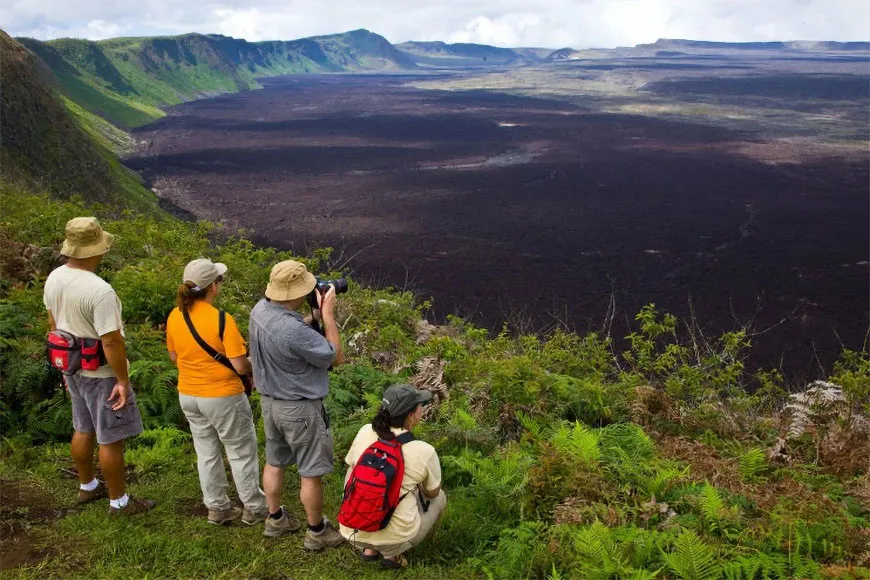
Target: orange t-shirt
x=199, y=375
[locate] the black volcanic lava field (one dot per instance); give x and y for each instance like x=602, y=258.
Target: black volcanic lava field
x=532, y=210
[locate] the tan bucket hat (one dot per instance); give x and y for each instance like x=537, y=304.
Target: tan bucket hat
x=202, y=272
x=85, y=238
x=290, y=280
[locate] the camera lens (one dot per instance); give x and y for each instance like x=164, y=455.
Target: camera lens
x=340, y=285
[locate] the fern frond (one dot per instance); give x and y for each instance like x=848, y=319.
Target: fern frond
x=578, y=442
x=661, y=481
x=753, y=463
x=530, y=424
x=692, y=559
x=711, y=504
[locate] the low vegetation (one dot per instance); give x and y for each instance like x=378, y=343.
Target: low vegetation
x=562, y=457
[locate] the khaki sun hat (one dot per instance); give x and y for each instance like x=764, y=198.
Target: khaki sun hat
x=290, y=280
x=401, y=399
x=85, y=238
x=202, y=272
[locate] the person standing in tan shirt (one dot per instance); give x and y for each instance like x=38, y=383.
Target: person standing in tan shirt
x=103, y=403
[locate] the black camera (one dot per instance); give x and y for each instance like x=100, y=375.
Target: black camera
x=322, y=287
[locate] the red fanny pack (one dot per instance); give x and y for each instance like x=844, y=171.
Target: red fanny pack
x=70, y=354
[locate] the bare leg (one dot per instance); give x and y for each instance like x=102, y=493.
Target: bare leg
x=273, y=485
x=311, y=496
x=82, y=451
x=112, y=464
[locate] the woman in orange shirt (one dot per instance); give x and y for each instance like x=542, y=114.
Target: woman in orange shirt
x=212, y=395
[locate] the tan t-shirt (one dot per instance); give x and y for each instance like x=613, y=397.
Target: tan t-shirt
x=421, y=467
x=84, y=305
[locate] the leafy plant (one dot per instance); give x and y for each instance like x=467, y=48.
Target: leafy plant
x=753, y=463
x=692, y=559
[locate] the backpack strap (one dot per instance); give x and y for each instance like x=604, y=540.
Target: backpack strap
x=222, y=324
x=405, y=437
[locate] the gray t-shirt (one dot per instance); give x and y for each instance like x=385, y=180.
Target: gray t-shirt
x=290, y=358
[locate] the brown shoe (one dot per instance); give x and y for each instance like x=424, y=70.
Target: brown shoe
x=224, y=517
x=283, y=525
x=98, y=492
x=134, y=506
x=328, y=538
x=250, y=518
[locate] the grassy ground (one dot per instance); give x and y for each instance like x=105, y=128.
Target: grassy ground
x=45, y=534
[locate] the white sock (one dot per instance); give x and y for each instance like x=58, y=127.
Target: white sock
x=120, y=502
x=89, y=486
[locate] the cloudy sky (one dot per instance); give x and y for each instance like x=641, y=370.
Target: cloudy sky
x=548, y=23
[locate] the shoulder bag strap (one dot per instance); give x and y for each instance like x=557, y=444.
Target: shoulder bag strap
x=222, y=324
x=219, y=357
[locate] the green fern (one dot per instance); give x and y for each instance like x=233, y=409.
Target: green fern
x=534, y=427
x=578, y=442
x=717, y=518
x=643, y=575
x=692, y=559
x=604, y=557
x=758, y=565
x=753, y=464
x=555, y=574
x=661, y=481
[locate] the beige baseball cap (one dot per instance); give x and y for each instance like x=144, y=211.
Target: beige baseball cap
x=202, y=272
x=85, y=238
x=290, y=280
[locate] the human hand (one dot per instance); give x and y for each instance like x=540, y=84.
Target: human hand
x=326, y=302
x=119, y=394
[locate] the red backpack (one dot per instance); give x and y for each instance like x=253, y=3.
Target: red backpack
x=372, y=491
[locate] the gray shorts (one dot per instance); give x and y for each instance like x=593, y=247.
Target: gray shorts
x=296, y=432
x=92, y=411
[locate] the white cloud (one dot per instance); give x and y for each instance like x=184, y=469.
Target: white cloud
x=552, y=23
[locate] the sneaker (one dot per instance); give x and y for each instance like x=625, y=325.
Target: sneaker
x=328, y=538
x=98, y=492
x=283, y=525
x=224, y=517
x=134, y=506
x=250, y=518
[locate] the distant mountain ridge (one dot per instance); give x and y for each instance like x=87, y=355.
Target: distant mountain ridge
x=128, y=80
x=436, y=53
x=125, y=80
x=669, y=44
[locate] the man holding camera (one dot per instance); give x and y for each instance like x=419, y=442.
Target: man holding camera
x=291, y=360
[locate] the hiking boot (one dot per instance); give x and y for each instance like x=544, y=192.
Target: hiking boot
x=328, y=538
x=98, y=492
x=224, y=517
x=283, y=525
x=250, y=518
x=134, y=506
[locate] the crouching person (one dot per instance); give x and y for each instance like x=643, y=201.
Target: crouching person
x=211, y=356
x=420, y=500
x=291, y=362
x=84, y=307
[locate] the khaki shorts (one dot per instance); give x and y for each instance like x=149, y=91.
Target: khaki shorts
x=297, y=432
x=92, y=411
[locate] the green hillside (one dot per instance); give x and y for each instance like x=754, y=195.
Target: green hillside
x=87, y=77
x=126, y=80
x=44, y=147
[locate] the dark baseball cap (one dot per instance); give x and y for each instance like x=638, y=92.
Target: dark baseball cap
x=401, y=399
